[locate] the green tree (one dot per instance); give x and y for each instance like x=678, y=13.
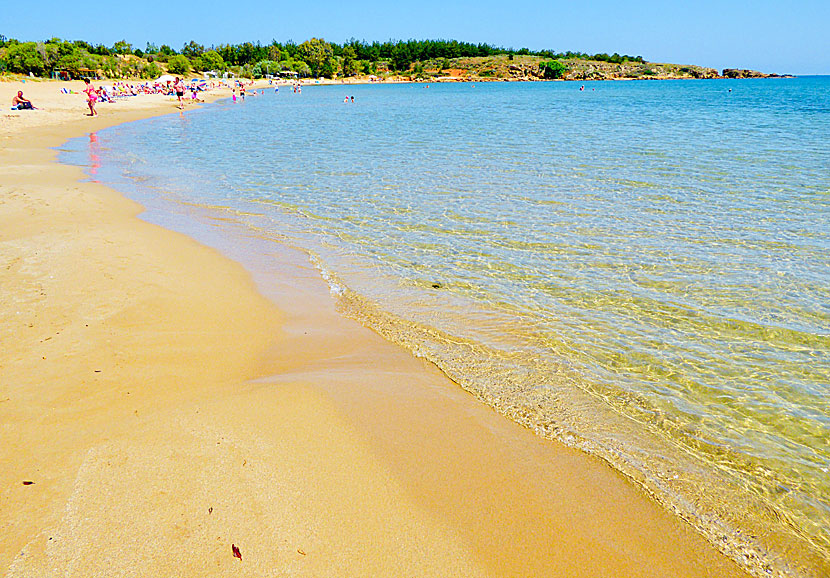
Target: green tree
x=211, y=60
x=401, y=57
x=275, y=54
x=316, y=53
x=300, y=67
x=25, y=58
x=192, y=50
x=351, y=65
x=264, y=67
x=122, y=47
x=329, y=68
x=69, y=57
x=178, y=64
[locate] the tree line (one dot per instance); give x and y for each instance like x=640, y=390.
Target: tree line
x=315, y=57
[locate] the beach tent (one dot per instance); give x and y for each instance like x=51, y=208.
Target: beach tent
x=165, y=78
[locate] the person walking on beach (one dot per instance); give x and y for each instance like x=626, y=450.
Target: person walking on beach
x=178, y=86
x=92, y=97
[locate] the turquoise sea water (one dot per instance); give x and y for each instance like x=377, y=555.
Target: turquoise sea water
x=639, y=269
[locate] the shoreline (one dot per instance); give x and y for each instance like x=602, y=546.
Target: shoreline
x=189, y=412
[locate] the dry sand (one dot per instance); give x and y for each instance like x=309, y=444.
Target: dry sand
x=164, y=410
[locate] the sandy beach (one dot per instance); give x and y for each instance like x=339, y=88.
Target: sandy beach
x=157, y=410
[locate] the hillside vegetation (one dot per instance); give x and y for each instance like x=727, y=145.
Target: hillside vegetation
x=438, y=60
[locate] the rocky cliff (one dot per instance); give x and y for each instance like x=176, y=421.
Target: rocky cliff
x=504, y=68
x=743, y=73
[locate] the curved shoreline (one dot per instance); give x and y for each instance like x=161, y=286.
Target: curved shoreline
x=165, y=410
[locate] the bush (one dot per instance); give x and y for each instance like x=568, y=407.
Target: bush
x=553, y=69
x=150, y=71
x=111, y=68
x=178, y=64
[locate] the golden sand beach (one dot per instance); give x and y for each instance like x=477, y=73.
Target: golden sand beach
x=157, y=411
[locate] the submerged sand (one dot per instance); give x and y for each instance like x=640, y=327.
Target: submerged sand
x=164, y=411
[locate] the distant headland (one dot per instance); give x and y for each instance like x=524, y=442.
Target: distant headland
x=354, y=60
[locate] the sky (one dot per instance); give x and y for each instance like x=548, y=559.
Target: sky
x=769, y=35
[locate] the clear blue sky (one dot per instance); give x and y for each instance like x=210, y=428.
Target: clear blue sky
x=769, y=35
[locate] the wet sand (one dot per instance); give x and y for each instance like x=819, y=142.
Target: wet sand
x=165, y=408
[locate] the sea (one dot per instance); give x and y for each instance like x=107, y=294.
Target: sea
x=638, y=269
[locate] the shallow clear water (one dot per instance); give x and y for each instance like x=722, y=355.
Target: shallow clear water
x=640, y=269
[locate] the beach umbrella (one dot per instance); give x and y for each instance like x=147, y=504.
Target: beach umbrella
x=165, y=78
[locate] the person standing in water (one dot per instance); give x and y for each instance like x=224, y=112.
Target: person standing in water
x=178, y=86
x=92, y=97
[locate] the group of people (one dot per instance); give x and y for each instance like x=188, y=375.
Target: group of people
x=175, y=87
x=240, y=86
x=124, y=89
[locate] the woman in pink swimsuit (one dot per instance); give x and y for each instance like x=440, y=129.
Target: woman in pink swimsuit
x=92, y=96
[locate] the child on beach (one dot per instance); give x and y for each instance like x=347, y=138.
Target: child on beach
x=92, y=97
